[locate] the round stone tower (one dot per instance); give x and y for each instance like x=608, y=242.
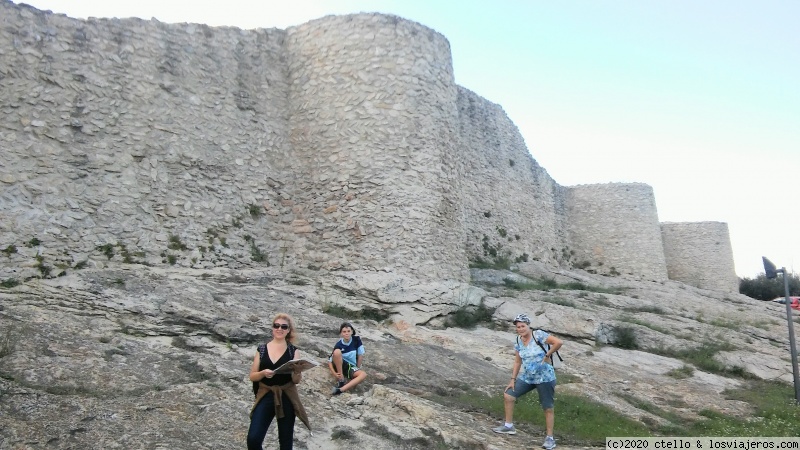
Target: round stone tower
x=614, y=230
x=373, y=117
x=700, y=254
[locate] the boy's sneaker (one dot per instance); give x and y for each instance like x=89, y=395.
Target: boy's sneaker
x=505, y=430
x=336, y=391
x=549, y=443
x=340, y=384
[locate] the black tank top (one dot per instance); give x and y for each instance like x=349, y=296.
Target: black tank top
x=266, y=363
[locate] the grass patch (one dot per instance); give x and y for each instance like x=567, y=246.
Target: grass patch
x=106, y=249
x=470, y=316
x=10, y=249
x=9, y=283
x=583, y=422
x=547, y=284
x=364, y=313
x=256, y=254
x=703, y=358
x=602, y=301
x=625, y=337
x=725, y=323
x=645, y=324
x=255, y=210
x=498, y=263
x=644, y=309
x=681, y=373
x=175, y=243
x=44, y=269
x=560, y=301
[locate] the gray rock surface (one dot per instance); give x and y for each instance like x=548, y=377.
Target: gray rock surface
x=131, y=356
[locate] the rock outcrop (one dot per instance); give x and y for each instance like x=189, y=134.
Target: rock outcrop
x=141, y=357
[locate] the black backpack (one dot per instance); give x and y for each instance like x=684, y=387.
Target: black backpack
x=262, y=350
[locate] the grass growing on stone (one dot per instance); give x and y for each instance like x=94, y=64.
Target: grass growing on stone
x=702, y=357
x=364, y=313
x=470, y=316
x=9, y=283
x=646, y=309
x=584, y=422
x=630, y=319
x=547, y=284
x=497, y=263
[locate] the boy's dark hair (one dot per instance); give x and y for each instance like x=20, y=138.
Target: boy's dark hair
x=346, y=325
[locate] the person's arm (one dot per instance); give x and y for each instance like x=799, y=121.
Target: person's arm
x=515, y=371
x=258, y=375
x=554, y=343
x=360, y=354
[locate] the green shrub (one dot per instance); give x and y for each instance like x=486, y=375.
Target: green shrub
x=470, y=316
x=256, y=254
x=33, y=242
x=9, y=283
x=10, y=250
x=645, y=308
x=625, y=337
x=175, y=243
x=499, y=263
x=172, y=259
x=106, y=249
x=255, y=210
x=364, y=313
x=763, y=288
x=81, y=264
x=682, y=372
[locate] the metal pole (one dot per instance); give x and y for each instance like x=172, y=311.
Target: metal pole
x=791, y=338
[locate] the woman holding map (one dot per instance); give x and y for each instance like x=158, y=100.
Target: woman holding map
x=276, y=393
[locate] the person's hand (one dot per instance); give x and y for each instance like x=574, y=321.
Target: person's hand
x=510, y=386
x=338, y=375
x=267, y=373
x=547, y=359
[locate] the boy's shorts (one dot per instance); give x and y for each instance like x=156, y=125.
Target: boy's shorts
x=348, y=370
x=546, y=392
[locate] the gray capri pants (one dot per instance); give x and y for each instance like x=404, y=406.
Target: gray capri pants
x=546, y=392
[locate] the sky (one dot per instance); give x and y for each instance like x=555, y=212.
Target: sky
x=698, y=99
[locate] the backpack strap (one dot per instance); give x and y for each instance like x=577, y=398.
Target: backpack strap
x=545, y=350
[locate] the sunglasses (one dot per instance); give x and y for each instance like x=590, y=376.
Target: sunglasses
x=282, y=326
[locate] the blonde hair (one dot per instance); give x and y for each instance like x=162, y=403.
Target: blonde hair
x=291, y=336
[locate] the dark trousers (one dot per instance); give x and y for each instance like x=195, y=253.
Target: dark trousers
x=262, y=417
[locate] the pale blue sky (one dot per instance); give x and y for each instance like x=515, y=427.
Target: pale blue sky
x=698, y=99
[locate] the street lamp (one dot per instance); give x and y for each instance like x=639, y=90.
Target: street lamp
x=772, y=272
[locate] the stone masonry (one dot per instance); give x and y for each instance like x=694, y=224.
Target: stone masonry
x=342, y=143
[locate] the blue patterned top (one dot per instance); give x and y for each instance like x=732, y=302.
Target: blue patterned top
x=534, y=370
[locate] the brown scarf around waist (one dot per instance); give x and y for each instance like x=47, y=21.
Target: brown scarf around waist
x=290, y=389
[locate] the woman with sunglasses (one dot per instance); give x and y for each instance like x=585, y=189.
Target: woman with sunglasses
x=268, y=386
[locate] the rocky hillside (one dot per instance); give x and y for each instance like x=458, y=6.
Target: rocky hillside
x=130, y=356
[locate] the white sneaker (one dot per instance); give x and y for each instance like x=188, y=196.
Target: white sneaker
x=502, y=429
x=549, y=443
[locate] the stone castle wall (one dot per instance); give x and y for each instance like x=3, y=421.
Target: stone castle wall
x=614, y=230
x=700, y=254
x=373, y=122
x=512, y=208
x=342, y=143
